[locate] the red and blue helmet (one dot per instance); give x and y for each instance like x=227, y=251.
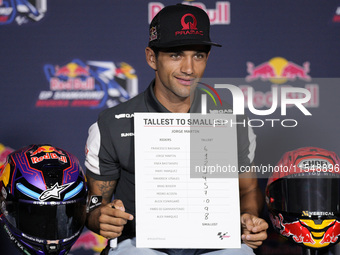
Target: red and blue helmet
x=303, y=197
x=43, y=199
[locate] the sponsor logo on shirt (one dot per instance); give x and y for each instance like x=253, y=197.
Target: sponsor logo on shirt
x=124, y=116
x=127, y=134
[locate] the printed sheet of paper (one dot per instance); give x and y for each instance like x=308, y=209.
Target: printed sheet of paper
x=187, y=192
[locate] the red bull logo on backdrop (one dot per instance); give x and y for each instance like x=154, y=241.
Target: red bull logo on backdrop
x=94, y=84
x=22, y=11
x=282, y=94
x=218, y=16
x=280, y=72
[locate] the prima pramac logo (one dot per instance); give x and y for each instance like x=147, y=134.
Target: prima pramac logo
x=189, y=25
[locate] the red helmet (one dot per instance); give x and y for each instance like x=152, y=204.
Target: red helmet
x=303, y=197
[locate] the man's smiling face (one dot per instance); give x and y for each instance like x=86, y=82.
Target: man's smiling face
x=178, y=70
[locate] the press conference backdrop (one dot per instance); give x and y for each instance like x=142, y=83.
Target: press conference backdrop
x=62, y=62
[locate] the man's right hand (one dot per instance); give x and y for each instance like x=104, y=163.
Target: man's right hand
x=105, y=220
x=112, y=219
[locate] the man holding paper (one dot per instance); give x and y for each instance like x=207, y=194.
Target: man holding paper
x=178, y=50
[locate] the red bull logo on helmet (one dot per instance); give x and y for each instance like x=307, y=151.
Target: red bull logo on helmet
x=306, y=232
x=47, y=152
x=45, y=149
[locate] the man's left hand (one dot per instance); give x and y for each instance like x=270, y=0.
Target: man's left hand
x=254, y=230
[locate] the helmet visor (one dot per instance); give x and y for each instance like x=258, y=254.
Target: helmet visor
x=49, y=221
x=314, y=196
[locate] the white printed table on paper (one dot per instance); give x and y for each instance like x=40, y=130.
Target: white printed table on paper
x=187, y=192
